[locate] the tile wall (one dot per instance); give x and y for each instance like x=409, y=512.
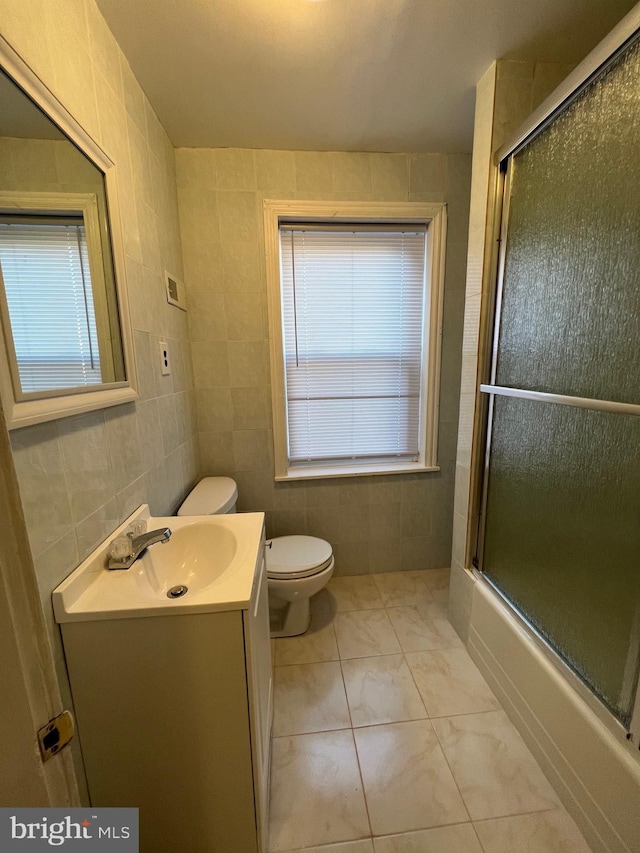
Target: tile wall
x=375, y=524
x=79, y=477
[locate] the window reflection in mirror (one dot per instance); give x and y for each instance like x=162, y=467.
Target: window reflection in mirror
x=58, y=301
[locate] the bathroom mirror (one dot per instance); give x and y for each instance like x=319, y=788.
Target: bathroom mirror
x=66, y=340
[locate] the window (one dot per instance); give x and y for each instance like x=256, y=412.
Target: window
x=52, y=316
x=355, y=309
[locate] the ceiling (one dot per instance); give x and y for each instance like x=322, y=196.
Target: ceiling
x=341, y=75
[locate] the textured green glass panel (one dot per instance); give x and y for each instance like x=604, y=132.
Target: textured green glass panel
x=571, y=303
x=563, y=535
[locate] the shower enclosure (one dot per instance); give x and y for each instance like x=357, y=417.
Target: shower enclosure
x=560, y=523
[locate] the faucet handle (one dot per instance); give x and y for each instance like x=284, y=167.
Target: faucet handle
x=137, y=528
x=120, y=548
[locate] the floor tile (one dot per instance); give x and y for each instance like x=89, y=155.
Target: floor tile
x=407, y=782
x=309, y=697
x=437, y=581
x=365, y=632
x=354, y=593
x=423, y=628
x=365, y=846
x=496, y=773
x=318, y=644
x=542, y=832
x=322, y=604
x=450, y=683
x=398, y=589
x=444, y=839
x=381, y=690
x=316, y=793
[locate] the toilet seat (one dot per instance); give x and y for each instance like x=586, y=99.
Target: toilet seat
x=292, y=557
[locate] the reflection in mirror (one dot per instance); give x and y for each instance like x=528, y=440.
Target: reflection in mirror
x=58, y=300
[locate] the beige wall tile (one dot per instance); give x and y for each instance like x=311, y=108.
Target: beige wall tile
x=196, y=167
x=255, y=491
x=415, y=553
x=241, y=266
x=276, y=172
x=210, y=364
x=428, y=173
x=389, y=177
x=385, y=555
x=86, y=461
x=96, y=527
x=123, y=439
x=243, y=316
x=216, y=454
x=352, y=557
x=214, y=409
x=250, y=408
x=252, y=450
x=238, y=272
x=238, y=217
x=235, y=169
x=314, y=172
x=288, y=522
x=385, y=521
x=45, y=500
x=351, y=174
x=546, y=76
x=207, y=318
x=248, y=364
x=514, y=98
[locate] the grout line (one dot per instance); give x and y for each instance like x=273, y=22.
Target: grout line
x=364, y=790
x=346, y=696
x=455, y=781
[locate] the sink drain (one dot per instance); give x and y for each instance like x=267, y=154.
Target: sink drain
x=177, y=591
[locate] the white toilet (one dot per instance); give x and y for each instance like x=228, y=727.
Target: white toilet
x=297, y=566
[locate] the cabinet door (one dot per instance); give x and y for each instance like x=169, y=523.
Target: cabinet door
x=260, y=679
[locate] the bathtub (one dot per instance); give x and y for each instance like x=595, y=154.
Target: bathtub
x=582, y=749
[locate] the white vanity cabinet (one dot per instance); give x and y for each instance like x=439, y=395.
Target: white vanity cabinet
x=174, y=717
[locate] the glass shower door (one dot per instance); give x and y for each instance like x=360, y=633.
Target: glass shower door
x=562, y=491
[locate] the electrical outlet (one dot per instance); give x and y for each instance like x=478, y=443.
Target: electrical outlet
x=165, y=367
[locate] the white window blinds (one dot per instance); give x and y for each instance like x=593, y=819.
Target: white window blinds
x=353, y=302
x=52, y=315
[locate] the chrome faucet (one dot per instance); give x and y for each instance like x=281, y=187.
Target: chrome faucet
x=123, y=553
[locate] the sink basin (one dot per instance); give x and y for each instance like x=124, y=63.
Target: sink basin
x=197, y=555
x=209, y=563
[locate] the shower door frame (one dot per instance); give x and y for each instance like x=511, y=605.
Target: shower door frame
x=592, y=67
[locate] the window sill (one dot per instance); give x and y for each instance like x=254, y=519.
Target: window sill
x=322, y=472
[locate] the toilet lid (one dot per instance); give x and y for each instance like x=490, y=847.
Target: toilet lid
x=212, y=496
x=297, y=556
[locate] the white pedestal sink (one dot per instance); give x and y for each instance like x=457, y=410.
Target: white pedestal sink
x=173, y=696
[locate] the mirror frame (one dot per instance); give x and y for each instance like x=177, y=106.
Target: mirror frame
x=20, y=413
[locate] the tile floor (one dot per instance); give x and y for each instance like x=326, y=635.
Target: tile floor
x=386, y=738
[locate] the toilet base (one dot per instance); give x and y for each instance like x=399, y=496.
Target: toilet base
x=291, y=620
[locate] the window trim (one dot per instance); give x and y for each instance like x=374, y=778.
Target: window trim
x=57, y=204
x=434, y=216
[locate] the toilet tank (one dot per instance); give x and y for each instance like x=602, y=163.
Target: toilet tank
x=212, y=496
